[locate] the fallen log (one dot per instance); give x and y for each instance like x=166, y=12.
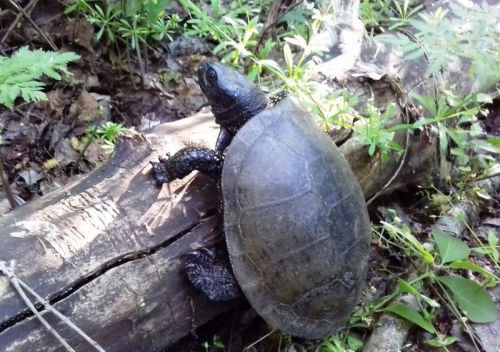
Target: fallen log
x=107, y=250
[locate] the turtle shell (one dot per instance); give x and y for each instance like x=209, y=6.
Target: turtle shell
x=296, y=222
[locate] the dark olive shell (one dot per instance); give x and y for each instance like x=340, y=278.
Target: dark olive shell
x=296, y=222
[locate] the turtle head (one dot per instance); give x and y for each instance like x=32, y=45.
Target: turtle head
x=233, y=97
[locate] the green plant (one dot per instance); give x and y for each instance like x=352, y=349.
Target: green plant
x=471, y=33
x=75, y=144
x=110, y=131
x=285, y=340
x=467, y=136
x=107, y=133
x=236, y=35
x=339, y=343
x=441, y=269
x=443, y=40
x=105, y=20
x=336, y=110
x=19, y=74
x=216, y=345
x=225, y=22
x=404, y=14
x=237, y=38
x=134, y=19
x=169, y=76
x=380, y=12
x=51, y=165
x=491, y=249
x=372, y=13
x=374, y=132
x=295, y=22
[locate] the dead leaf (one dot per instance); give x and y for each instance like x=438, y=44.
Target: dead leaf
x=64, y=153
x=57, y=102
x=86, y=107
x=95, y=153
x=31, y=176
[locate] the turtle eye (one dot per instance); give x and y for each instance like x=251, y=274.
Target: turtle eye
x=211, y=75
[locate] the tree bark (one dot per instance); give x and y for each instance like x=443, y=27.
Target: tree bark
x=107, y=249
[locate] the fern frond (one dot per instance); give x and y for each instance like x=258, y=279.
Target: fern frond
x=18, y=74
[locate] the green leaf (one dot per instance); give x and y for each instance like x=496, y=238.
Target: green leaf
x=71, y=8
x=493, y=242
x=272, y=64
x=443, y=137
x=494, y=140
x=19, y=74
x=155, y=9
x=474, y=300
x=298, y=41
x=415, y=54
x=371, y=150
x=267, y=48
x=481, y=193
x=486, y=145
x=287, y=52
x=466, y=265
x=411, y=315
x=402, y=127
x=101, y=12
x=484, y=98
x=423, y=122
x=450, y=249
x=427, y=102
x=437, y=343
x=406, y=234
x=403, y=286
x=443, y=107
x=354, y=344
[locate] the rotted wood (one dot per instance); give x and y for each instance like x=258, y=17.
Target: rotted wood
x=107, y=250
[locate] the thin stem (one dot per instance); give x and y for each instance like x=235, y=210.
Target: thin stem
x=6, y=185
x=51, y=309
x=13, y=279
x=21, y=10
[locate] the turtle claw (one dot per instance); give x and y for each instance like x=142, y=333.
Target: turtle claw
x=201, y=254
x=211, y=275
x=160, y=170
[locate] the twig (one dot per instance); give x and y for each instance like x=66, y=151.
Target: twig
x=139, y=59
x=273, y=23
x=21, y=10
x=259, y=340
x=58, y=314
x=6, y=185
x=485, y=177
x=28, y=9
x=15, y=283
x=52, y=309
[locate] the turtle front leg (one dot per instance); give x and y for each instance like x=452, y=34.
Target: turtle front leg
x=185, y=161
x=212, y=275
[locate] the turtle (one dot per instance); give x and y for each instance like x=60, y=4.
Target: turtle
x=294, y=216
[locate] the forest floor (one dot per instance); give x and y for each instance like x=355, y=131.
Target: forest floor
x=107, y=86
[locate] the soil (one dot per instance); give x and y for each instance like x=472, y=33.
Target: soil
x=107, y=77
